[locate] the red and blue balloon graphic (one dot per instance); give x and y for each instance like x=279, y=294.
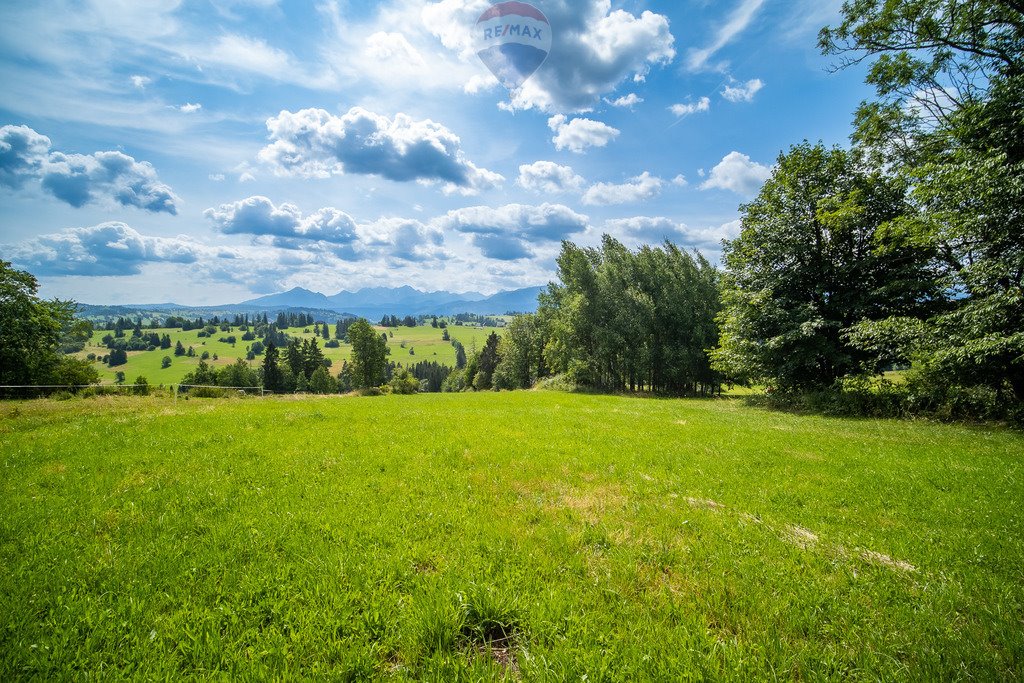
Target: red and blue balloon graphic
x=513, y=39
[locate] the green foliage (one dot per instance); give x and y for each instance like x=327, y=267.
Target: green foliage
x=32, y=333
x=403, y=382
x=814, y=258
x=632, y=321
x=950, y=121
x=369, y=355
x=321, y=382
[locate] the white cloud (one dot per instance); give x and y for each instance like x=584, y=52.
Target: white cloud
x=328, y=229
x=680, y=181
x=107, y=249
x=643, y=187
x=80, y=179
x=737, y=173
x=216, y=177
x=701, y=105
x=597, y=48
x=190, y=107
x=626, y=101
x=547, y=177
x=735, y=24
x=579, y=134
x=141, y=82
x=313, y=143
x=639, y=230
x=511, y=232
x=744, y=92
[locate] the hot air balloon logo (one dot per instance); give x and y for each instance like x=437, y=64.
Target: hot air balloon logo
x=513, y=39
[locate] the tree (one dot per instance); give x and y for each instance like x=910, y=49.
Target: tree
x=369, y=355
x=32, y=332
x=815, y=258
x=117, y=357
x=949, y=78
x=521, y=352
x=141, y=386
x=487, y=363
x=179, y=349
x=238, y=375
x=403, y=382
x=166, y=362
x=321, y=382
x=273, y=378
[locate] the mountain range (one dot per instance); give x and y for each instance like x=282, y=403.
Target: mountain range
x=375, y=302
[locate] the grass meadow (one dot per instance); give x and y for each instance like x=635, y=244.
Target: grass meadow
x=422, y=343
x=526, y=536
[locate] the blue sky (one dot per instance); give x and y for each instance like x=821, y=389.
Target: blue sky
x=206, y=151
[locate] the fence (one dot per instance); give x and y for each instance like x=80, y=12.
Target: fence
x=10, y=391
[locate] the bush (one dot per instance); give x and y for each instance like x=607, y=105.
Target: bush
x=141, y=386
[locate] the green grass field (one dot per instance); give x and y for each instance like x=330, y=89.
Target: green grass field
x=421, y=344
x=526, y=536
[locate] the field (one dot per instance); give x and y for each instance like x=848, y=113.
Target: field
x=532, y=536
x=421, y=344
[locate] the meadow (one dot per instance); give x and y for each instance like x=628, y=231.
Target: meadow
x=527, y=536
x=408, y=345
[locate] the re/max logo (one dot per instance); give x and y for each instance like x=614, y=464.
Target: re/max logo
x=512, y=30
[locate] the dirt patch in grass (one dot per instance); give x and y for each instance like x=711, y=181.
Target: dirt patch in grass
x=886, y=561
x=592, y=503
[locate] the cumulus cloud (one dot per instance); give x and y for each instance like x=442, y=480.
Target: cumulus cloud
x=737, y=173
x=107, y=249
x=680, y=181
x=312, y=143
x=404, y=239
x=701, y=105
x=626, y=101
x=327, y=228
x=656, y=230
x=141, y=82
x=190, y=108
x=80, y=179
x=547, y=177
x=579, y=134
x=506, y=233
x=644, y=186
x=597, y=48
x=743, y=92
x=23, y=152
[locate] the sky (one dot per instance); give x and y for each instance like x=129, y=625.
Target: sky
x=210, y=151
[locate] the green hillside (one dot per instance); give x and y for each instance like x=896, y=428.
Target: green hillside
x=422, y=343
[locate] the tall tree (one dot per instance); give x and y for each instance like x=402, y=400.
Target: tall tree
x=273, y=378
x=813, y=259
x=369, y=355
x=949, y=117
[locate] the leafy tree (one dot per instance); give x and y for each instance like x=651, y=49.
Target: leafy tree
x=166, y=362
x=141, y=386
x=239, y=374
x=117, y=357
x=369, y=355
x=119, y=377
x=522, y=353
x=620, y=320
x=814, y=258
x=203, y=376
x=949, y=78
x=321, y=382
x=403, y=382
x=31, y=334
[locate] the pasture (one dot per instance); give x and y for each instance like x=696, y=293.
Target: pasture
x=526, y=536
x=423, y=343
